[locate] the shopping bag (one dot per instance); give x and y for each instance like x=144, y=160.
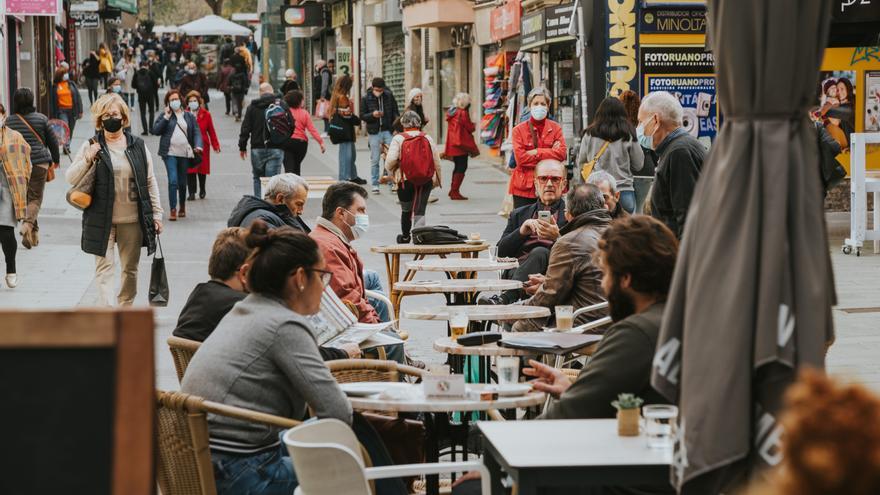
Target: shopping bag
x=158, y=279
x=322, y=109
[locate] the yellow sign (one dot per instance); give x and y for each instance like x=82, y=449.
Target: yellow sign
x=622, y=64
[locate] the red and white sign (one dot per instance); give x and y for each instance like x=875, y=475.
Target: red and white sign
x=504, y=21
x=32, y=7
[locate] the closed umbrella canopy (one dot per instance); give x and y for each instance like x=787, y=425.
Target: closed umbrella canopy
x=213, y=25
x=751, y=297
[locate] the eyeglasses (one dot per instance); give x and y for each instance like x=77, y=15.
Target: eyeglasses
x=326, y=275
x=549, y=178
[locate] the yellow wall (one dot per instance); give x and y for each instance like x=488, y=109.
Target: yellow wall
x=860, y=60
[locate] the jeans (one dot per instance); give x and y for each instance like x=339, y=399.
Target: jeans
x=70, y=119
x=628, y=201
x=176, y=167
x=347, y=167
x=372, y=282
x=265, y=162
x=376, y=142
x=269, y=472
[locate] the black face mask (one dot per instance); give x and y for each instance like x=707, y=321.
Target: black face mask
x=113, y=124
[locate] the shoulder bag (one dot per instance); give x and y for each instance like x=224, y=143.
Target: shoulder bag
x=80, y=195
x=196, y=158
x=50, y=172
x=588, y=167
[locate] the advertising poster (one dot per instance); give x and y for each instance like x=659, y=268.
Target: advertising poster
x=872, y=101
x=31, y=7
x=836, y=104
x=697, y=96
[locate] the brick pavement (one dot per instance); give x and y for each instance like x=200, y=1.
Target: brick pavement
x=58, y=275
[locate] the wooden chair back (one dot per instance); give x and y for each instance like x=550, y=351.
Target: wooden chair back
x=182, y=351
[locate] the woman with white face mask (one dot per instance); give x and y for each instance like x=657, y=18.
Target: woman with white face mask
x=65, y=102
x=536, y=139
x=181, y=141
x=196, y=106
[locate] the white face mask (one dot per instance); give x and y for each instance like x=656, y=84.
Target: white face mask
x=175, y=105
x=361, y=224
x=65, y=77
x=539, y=112
x=193, y=105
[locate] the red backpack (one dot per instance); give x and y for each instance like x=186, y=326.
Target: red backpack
x=417, y=159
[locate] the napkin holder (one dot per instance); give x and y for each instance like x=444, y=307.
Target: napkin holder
x=443, y=385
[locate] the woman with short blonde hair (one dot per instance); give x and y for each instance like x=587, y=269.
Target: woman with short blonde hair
x=123, y=220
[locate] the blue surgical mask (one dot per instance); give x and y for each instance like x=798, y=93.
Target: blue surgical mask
x=65, y=77
x=193, y=105
x=361, y=224
x=117, y=88
x=175, y=105
x=539, y=112
x=646, y=142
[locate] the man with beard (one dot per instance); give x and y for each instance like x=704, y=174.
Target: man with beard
x=573, y=278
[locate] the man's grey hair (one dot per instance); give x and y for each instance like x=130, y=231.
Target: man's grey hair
x=266, y=89
x=552, y=163
x=410, y=120
x=600, y=177
x=583, y=198
x=285, y=184
x=539, y=91
x=664, y=104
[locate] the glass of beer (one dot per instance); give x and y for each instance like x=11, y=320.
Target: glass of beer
x=564, y=318
x=458, y=322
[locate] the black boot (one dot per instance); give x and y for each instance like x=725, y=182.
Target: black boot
x=405, y=228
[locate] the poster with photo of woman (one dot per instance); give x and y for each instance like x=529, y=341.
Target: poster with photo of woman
x=836, y=96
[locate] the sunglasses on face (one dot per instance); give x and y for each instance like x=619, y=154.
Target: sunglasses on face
x=543, y=179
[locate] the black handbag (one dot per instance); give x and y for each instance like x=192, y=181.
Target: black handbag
x=437, y=234
x=158, y=278
x=340, y=130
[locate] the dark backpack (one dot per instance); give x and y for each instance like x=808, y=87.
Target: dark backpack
x=417, y=159
x=143, y=81
x=238, y=83
x=279, y=123
x=437, y=234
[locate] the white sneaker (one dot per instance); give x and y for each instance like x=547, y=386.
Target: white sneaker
x=11, y=280
x=376, y=190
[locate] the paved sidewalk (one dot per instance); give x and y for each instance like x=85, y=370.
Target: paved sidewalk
x=57, y=274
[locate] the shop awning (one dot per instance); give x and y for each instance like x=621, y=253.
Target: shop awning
x=214, y=25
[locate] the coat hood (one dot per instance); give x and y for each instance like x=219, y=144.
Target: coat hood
x=592, y=218
x=246, y=206
x=264, y=101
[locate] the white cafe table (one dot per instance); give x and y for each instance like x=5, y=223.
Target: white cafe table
x=501, y=312
x=461, y=265
x=570, y=453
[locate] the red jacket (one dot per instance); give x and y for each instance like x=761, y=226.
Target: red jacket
x=209, y=140
x=551, y=145
x=347, y=268
x=460, y=134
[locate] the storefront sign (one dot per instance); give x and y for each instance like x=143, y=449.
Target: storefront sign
x=698, y=100
x=677, y=60
x=532, y=29
x=622, y=42
x=386, y=12
x=461, y=35
x=129, y=6
x=86, y=20
x=111, y=16
x=343, y=61
x=87, y=6
x=504, y=21
x=673, y=20
x=308, y=15
x=32, y=7
x=856, y=11
x=556, y=22
x=339, y=14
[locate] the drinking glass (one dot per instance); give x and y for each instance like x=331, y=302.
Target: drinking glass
x=660, y=425
x=493, y=253
x=564, y=318
x=508, y=369
x=458, y=323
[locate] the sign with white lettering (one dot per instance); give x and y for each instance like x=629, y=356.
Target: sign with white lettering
x=673, y=20
x=856, y=11
x=677, y=60
x=546, y=26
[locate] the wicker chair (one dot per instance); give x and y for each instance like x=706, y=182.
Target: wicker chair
x=182, y=350
x=184, y=463
x=370, y=370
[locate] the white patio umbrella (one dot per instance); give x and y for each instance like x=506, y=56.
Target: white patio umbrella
x=165, y=29
x=213, y=25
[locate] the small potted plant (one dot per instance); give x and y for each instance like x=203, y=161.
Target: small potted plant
x=627, y=406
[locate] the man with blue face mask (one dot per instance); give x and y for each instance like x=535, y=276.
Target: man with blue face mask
x=679, y=158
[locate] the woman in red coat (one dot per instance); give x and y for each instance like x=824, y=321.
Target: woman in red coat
x=534, y=140
x=209, y=139
x=460, y=142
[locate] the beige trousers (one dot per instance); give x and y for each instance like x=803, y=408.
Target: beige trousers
x=127, y=238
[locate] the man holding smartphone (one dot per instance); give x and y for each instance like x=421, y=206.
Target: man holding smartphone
x=379, y=113
x=532, y=230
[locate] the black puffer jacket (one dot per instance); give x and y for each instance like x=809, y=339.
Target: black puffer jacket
x=253, y=125
x=44, y=149
x=386, y=104
x=251, y=208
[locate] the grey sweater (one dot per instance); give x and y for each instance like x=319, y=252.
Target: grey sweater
x=622, y=159
x=262, y=356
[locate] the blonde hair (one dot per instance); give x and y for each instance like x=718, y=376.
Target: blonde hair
x=461, y=100
x=103, y=104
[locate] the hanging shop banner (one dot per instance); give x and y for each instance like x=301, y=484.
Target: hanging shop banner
x=86, y=20
x=698, y=99
x=339, y=14
x=86, y=6
x=504, y=21
x=308, y=15
x=532, y=30
x=129, y=6
x=673, y=19
x=546, y=26
x=621, y=66
x=343, y=61
x=676, y=60
x=32, y=7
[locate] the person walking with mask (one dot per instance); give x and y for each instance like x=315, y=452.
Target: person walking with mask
x=125, y=214
x=209, y=140
x=534, y=140
x=266, y=158
x=125, y=71
x=65, y=103
x=378, y=111
x=180, y=141
x=193, y=80
x=90, y=72
x=105, y=63
x=15, y=170
x=460, y=144
x=342, y=106
x=146, y=84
